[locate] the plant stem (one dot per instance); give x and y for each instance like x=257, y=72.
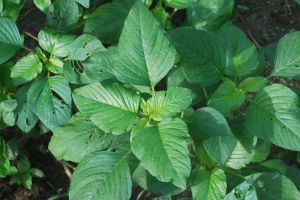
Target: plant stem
x=32, y=36
x=28, y=49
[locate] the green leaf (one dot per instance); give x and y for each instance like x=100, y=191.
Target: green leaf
x=143, y=58
x=226, y=94
x=261, y=151
x=84, y=3
x=101, y=175
x=209, y=185
x=246, y=59
x=167, y=104
x=10, y=39
x=63, y=14
x=7, y=111
x=55, y=43
x=36, y=173
x=204, y=56
x=287, y=59
x=180, y=4
x=84, y=46
x=26, y=180
x=163, y=151
x=209, y=14
x=55, y=65
x=267, y=186
x=26, y=118
x=274, y=116
x=111, y=107
x=253, y=84
x=43, y=5
x=150, y=183
x=4, y=161
x=207, y=122
x=111, y=16
x=50, y=99
x=26, y=69
x=220, y=148
x=77, y=138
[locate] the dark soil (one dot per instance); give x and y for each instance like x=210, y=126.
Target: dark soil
x=264, y=22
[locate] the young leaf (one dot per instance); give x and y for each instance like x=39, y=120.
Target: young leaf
x=26, y=69
x=163, y=151
x=7, y=112
x=63, y=14
x=143, y=58
x=50, y=99
x=209, y=14
x=84, y=46
x=10, y=39
x=26, y=118
x=78, y=138
x=111, y=107
x=246, y=59
x=101, y=175
x=209, y=185
x=43, y=5
x=180, y=4
x=55, y=43
x=167, y=104
x=261, y=151
x=226, y=94
x=207, y=122
x=274, y=116
x=287, y=59
x=204, y=56
x=253, y=84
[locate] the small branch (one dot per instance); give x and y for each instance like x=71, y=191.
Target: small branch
x=26, y=48
x=32, y=36
x=67, y=170
x=249, y=32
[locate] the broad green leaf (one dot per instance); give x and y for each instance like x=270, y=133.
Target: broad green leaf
x=204, y=56
x=167, y=104
x=246, y=58
x=150, y=183
x=106, y=21
x=180, y=4
x=84, y=46
x=95, y=69
x=274, y=116
x=7, y=111
x=267, y=186
x=261, y=151
x=253, y=84
x=55, y=43
x=77, y=138
x=111, y=107
x=144, y=55
x=11, y=8
x=287, y=59
x=4, y=161
x=26, y=180
x=101, y=175
x=26, y=119
x=207, y=122
x=43, y=5
x=5, y=79
x=26, y=69
x=220, y=148
x=163, y=151
x=63, y=14
x=209, y=185
x=209, y=14
x=227, y=98
x=10, y=39
x=50, y=99
x=84, y=3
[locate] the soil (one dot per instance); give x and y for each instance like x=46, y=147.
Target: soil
x=264, y=22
